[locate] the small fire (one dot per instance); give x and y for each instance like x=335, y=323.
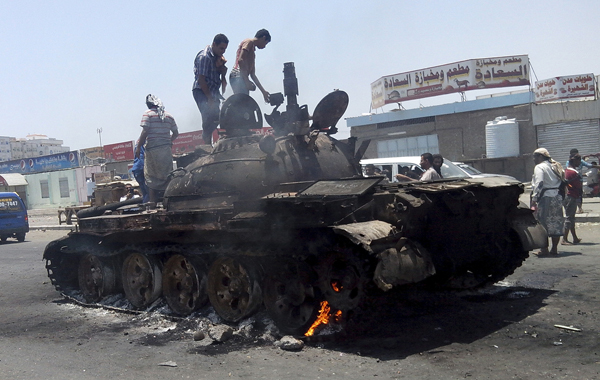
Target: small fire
x=323, y=317
x=336, y=286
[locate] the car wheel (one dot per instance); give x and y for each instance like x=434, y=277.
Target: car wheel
x=21, y=236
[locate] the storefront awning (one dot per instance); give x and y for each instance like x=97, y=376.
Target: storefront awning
x=12, y=179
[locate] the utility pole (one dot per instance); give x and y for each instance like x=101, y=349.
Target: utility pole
x=99, y=130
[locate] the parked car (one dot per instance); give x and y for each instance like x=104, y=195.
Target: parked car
x=14, y=221
x=399, y=165
x=474, y=173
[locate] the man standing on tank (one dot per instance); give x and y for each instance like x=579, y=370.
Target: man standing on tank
x=159, y=131
x=209, y=70
x=244, y=67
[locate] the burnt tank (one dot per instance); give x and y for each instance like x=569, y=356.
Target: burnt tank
x=287, y=221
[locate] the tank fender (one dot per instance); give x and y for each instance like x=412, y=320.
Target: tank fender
x=531, y=233
x=363, y=233
x=408, y=263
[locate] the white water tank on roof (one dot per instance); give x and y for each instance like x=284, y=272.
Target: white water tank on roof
x=502, y=137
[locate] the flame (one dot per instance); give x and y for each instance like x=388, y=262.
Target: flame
x=336, y=285
x=323, y=317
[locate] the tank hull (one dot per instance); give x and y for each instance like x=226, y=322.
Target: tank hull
x=369, y=237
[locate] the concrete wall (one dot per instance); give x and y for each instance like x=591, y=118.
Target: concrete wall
x=77, y=187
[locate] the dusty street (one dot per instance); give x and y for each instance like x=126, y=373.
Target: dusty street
x=505, y=332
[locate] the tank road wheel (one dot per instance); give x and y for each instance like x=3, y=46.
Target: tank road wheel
x=184, y=284
x=142, y=279
x=97, y=277
x=289, y=297
x=341, y=280
x=233, y=288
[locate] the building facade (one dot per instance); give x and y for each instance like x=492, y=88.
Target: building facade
x=458, y=131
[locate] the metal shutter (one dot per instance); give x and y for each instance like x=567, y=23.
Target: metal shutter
x=560, y=138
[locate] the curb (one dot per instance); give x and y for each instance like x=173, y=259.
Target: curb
x=56, y=227
x=589, y=218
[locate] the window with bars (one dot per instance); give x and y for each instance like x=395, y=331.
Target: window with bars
x=63, y=185
x=44, y=188
x=408, y=146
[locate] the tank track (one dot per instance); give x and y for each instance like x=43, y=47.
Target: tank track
x=264, y=261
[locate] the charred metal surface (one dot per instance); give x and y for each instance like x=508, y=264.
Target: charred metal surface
x=400, y=266
x=292, y=213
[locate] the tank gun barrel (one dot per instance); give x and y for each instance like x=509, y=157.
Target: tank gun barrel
x=295, y=118
x=99, y=210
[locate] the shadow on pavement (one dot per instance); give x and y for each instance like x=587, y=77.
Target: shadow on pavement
x=402, y=325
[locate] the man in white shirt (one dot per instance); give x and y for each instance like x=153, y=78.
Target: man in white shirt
x=427, y=164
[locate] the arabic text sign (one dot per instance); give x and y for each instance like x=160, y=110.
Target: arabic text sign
x=187, y=142
x=574, y=86
x=119, y=152
x=49, y=163
x=473, y=74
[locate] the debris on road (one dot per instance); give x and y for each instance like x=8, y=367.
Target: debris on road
x=170, y=363
x=570, y=328
x=220, y=333
x=289, y=343
x=199, y=335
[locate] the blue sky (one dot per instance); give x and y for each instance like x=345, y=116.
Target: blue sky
x=71, y=67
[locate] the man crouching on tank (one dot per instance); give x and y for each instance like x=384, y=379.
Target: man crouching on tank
x=159, y=131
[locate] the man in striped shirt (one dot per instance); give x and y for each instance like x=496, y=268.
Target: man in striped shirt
x=159, y=131
x=209, y=70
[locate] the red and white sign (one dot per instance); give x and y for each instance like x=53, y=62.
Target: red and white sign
x=473, y=74
x=574, y=86
x=119, y=152
x=187, y=142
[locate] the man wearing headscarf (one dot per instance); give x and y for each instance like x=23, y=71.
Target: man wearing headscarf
x=159, y=131
x=545, y=198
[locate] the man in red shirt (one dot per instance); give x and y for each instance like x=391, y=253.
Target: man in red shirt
x=244, y=67
x=574, y=191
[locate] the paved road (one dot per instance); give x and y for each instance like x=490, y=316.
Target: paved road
x=504, y=333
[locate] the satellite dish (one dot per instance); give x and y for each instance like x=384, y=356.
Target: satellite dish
x=329, y=110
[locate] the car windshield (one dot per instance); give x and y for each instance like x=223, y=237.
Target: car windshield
x=449, y=170
x=469, y=169
x=9, y=204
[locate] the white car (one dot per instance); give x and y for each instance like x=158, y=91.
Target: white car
x=399, y=165
x=474, y=173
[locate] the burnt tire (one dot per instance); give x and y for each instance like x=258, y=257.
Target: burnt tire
x=97, y=277
x=142, y=279
x=290, y=296
x=184, y=284
x=342, y=279
x=234, y=287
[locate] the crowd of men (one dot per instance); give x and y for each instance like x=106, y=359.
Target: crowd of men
x=153, y=158
x=556, y=196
